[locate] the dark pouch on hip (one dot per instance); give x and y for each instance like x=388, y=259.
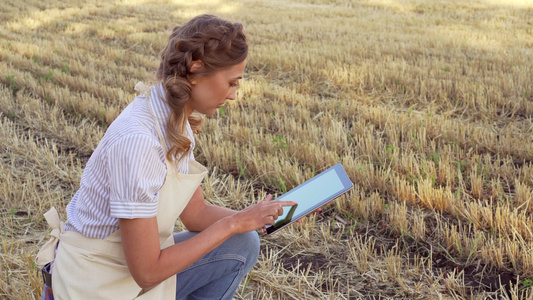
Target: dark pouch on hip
x=47, y=278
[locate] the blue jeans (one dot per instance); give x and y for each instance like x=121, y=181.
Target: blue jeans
x=217, y=275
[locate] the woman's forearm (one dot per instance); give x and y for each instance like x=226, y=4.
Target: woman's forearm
x=208, y=216
x=150, y=265
x=197, y=215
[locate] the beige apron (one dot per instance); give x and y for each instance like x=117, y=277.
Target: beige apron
x=100, y=267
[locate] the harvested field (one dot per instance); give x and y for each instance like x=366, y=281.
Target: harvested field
x=427, y=104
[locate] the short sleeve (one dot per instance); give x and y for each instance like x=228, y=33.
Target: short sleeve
x=136, y=174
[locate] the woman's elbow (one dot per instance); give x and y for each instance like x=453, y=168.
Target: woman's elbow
x=144, y=280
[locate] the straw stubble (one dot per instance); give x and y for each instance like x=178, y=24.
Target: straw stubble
x=427, y=105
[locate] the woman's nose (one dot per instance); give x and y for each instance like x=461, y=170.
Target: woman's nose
x=232, y=95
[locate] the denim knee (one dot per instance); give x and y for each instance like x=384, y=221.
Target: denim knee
x=249, y=244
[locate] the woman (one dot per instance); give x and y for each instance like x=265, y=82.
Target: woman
x=117, y=242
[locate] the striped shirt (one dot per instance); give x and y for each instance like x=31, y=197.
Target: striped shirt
x=123, y=177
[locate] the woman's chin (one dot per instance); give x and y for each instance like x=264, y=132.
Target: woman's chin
x=210, y=112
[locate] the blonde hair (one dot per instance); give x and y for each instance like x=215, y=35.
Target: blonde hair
x=219, y=44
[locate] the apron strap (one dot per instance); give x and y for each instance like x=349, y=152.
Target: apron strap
x=47, y=252
x=142, y=88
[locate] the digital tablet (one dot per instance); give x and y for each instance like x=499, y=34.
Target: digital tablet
x=312, y=194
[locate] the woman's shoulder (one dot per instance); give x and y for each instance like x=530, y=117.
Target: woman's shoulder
x=134, y=125
x=134, y=118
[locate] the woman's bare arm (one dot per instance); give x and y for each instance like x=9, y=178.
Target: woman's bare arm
x=149, y=265
x=197, y=215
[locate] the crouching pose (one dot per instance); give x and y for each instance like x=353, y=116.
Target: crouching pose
x=118, y=240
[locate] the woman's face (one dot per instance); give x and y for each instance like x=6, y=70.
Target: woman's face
x=210, y=93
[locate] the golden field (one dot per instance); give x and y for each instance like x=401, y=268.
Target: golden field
x=427, y=104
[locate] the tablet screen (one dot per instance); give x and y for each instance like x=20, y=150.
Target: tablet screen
x=312, y=194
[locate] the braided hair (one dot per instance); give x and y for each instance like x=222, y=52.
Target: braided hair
x=219, y=44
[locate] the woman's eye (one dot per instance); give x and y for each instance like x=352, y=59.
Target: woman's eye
x=234, y=84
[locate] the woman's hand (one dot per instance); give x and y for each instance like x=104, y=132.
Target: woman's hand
x=258, y=215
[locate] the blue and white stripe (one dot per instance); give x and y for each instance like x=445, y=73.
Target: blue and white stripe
x=123, y=177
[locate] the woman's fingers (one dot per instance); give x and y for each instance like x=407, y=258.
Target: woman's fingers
x=275, y=209
x=285, y=203
x=280, y=211
x=269, y=220
x=267, y=198
x=266, y=212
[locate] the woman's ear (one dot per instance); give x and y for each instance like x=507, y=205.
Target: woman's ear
x=196, y=66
